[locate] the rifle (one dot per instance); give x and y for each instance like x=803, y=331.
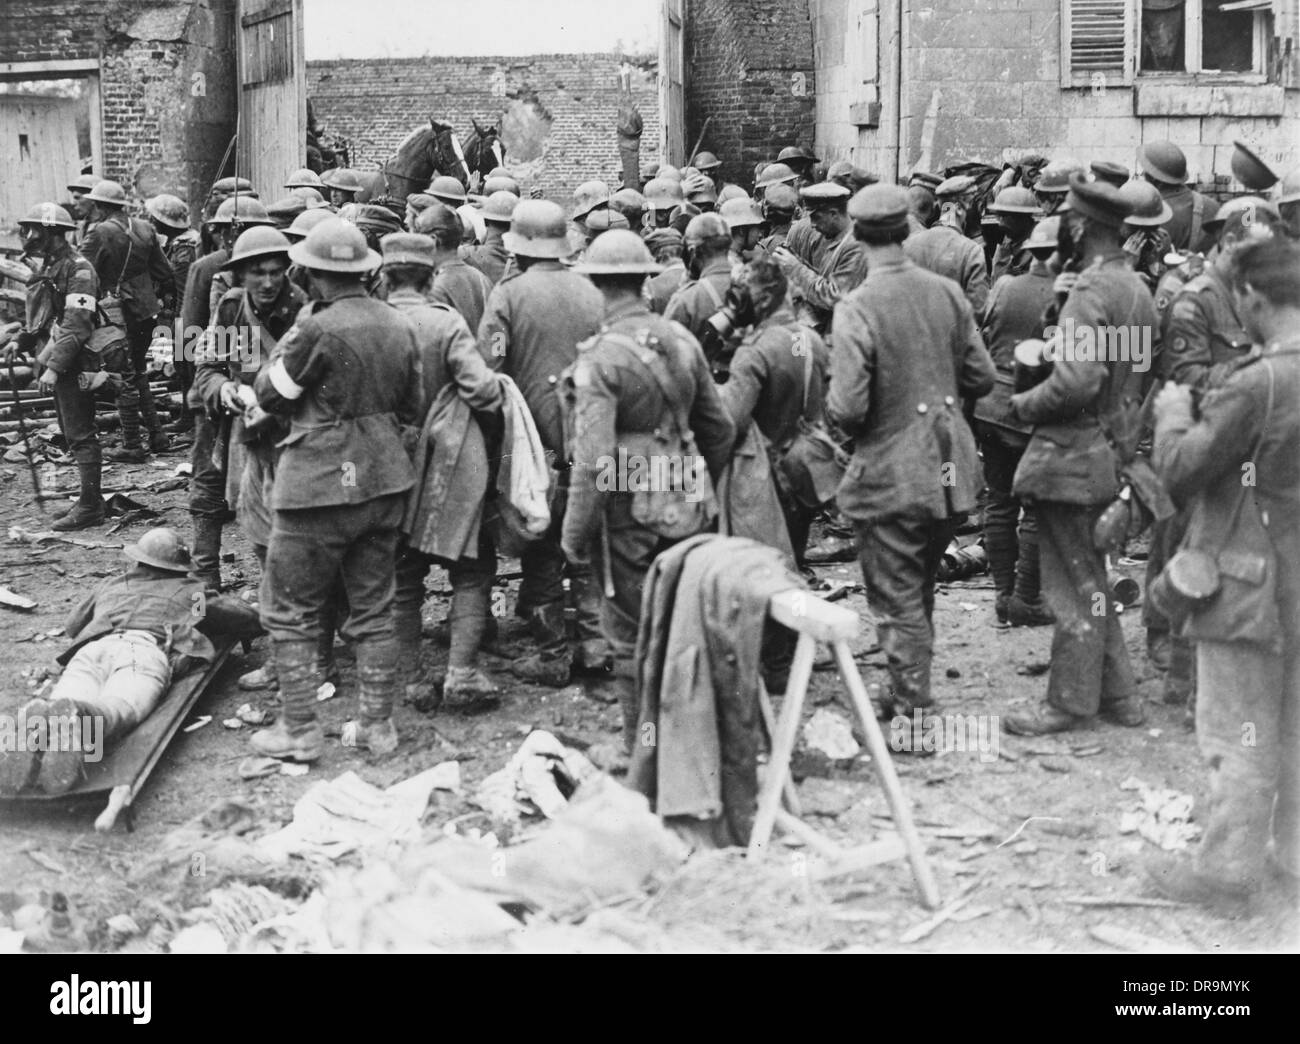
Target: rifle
x=9, y=333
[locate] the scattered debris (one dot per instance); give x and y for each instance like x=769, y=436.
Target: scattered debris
x=1034, y=669
x=944, y=915
x=1031, y=819
x=1134, y=942
x=540, y=777
x=1092, y=900
x=232, y=723
x=829, y=733
x=327, y=691
x=197, y=723
x=250, y=715
x=12, y=600
x=41, y=859
x=1163, y=817
x=1054, y=764
x=294, y=768
x=120, y=928
x=258, y=767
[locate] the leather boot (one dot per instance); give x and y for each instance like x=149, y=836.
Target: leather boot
x=89, y=508
x=158, y=440
x=551, y=663
x=466, y=686
x=297, y=736
x=263, y=677
x=377, y=678
x=1025, y=607
x=205, y=550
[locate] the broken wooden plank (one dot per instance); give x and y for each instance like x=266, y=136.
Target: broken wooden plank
x=13, y=600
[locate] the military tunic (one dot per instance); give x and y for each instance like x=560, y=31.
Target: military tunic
x=698, y=300
x=816, y=290
x=1191, y=211
x=907, y=351
x=348, y=377
x=464, y=288
x=947, y=252
x=491, y=256
x=207, y=480
x=61, y=304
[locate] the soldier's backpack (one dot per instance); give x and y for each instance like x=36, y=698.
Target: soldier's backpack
x=812, y=466
x=680, y=500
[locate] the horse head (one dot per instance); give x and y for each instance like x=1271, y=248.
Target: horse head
x=429, y=150
x=485, y=150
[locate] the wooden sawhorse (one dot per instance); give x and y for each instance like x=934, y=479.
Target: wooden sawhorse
x=816, y=620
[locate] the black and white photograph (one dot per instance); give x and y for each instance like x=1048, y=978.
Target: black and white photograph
x=659, y=477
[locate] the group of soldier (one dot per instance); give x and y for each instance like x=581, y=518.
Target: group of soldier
x=667, y=319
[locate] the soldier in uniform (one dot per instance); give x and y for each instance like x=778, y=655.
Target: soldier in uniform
x=131, y=265
x=1145, y=240
x=1288, y=204
x=944, y=249
x=1248, y=638
x=171, y=220
x=779, y=205
x=61, y=307
x=663, y=196
x=799, y=161
x=745, y=224
x=665, y=245
x=711, y=167
x=1053, y=184
x=1017, y=214
x=1106, y=170
x=1165, y=166
x=343, y=186
x=491, y=256
x=448, y=353
x=777, y=377
x=1070, y=471
x=639, y=389
x=347, y=376
x=907, y=352
x=250, y=320
x=79, y=206
x=1202, y=342
x=632, y=205
x=706, y=247
x=208, y=507
x=530, y=332
x=1014, y=314
x=843, y=265
x=455, y=283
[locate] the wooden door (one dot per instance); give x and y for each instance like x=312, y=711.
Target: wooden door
x=272, y=94
x=672, y=85
x=38, y=137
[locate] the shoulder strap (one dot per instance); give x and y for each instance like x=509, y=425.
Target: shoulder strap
x=713, y=292
x=1198, y=211
x=126, y=261
x=656, y=365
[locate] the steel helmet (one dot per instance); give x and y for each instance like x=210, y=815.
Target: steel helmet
x=793, y=154
x=538, y=229
x=108, y=192
x=1243, y=211
x=162, y=549
x=587, y=197
x=739, y=213
x=440, y=220
x=311, y=197
x=84, y=182
x=447, y=189
x=1148, y=206
x=168, y=210
x=1015, y=200
x=258, y=241
x=49, y=215
x=335, y=245
x=618, y=252
x=699, y=187
x=667, y=170
x=283, y=211
x=626, y=199
x=663, y=239
x=1045, y=234
x=730, y=192
x=706, y=161
x=1164, y=161
x=1290, y=190
x=781, y=197
x=500, y=183
x=241, y=210
x=345, y=180
x=1250, y=170
x=777, y=174
x=1055, y=177
x=704, y=227
x=306, y=221
x=377, y=218
x=499, y=207
x=599, y=221
x=303, y=178
x=663, y=193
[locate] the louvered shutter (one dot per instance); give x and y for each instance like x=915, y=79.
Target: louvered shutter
x=1098, y=42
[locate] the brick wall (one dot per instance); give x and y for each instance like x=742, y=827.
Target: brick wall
x=984, y=83
x=166, y=79
x=556, y=112
x=742, y=57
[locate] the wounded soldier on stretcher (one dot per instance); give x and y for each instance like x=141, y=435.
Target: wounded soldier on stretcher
x=133, y=636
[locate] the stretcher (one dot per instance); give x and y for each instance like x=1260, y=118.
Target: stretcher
x=125, y=768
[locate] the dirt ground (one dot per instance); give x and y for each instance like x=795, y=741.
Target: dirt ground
x=1041, y=892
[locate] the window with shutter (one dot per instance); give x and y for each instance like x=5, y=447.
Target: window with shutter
x=1097, y=42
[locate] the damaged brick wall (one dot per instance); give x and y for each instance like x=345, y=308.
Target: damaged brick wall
x=749, y=66
x=166, y=80
x=556, y=112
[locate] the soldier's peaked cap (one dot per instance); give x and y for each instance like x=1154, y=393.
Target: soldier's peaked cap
x=824, y=193
x=880, y=206
x=955, y=187
x=1098, y=200
x=407, y=248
